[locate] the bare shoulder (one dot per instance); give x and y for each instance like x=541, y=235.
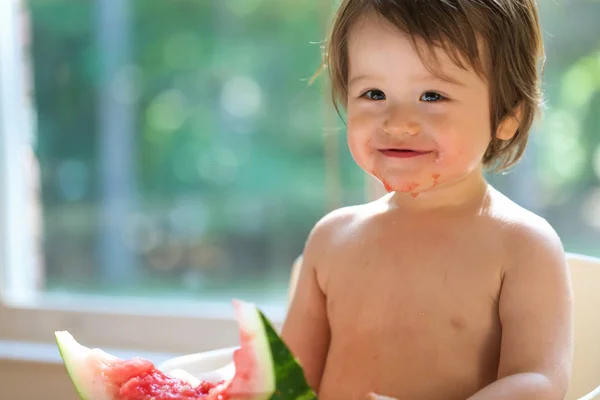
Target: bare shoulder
x=529, y=240
x=335, y=227
x=331, y=238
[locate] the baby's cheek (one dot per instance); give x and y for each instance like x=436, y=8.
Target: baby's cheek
x=459, y=157
x=449, y=160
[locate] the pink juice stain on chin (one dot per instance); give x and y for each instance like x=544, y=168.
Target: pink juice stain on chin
x=409, y=187
x=387, y=187
x=436, y=179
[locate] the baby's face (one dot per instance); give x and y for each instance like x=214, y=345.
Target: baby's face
x=406, y=127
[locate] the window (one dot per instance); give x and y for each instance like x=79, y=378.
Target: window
x=162, y=157
x=175, y=157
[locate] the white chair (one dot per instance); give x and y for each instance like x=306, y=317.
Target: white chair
x=584, y=385
x=585, y=276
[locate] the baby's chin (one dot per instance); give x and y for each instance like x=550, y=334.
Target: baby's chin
x=410, y=185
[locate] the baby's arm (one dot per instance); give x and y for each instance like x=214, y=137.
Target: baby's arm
x=535, y=311
x=306, y=329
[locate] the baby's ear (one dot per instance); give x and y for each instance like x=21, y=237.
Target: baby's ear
x=510, y=124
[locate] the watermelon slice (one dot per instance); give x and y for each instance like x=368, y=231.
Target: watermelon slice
x=263, y=368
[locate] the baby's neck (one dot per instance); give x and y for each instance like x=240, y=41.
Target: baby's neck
x=469, y=192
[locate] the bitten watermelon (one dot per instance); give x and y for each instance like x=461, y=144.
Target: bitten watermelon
x=264, y=369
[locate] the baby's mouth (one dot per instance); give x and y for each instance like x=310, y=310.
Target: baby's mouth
x=404, y=153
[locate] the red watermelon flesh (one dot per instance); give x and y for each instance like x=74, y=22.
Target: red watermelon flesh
x=98, y=375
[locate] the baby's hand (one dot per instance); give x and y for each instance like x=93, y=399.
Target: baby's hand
x=373, y=396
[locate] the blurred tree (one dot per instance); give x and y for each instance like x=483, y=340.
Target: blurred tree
x=233, y=148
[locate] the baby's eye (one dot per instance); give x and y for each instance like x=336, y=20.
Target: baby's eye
x=374, y=94
x=431, y=97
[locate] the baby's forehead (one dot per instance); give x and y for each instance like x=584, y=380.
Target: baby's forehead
x=376, y=48
x=371, y=36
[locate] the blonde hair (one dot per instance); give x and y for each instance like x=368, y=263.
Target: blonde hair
x=509, y=29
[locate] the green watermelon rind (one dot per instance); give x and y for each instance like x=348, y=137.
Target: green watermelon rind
x=70, y=350
x=290, y=381
x=67, y=360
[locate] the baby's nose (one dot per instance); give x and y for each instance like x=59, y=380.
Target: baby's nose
x=401, y=122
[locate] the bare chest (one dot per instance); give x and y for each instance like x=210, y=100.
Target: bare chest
x=418, y=306
x=388, y=278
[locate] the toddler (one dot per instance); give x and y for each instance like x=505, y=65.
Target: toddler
x=443, y=289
